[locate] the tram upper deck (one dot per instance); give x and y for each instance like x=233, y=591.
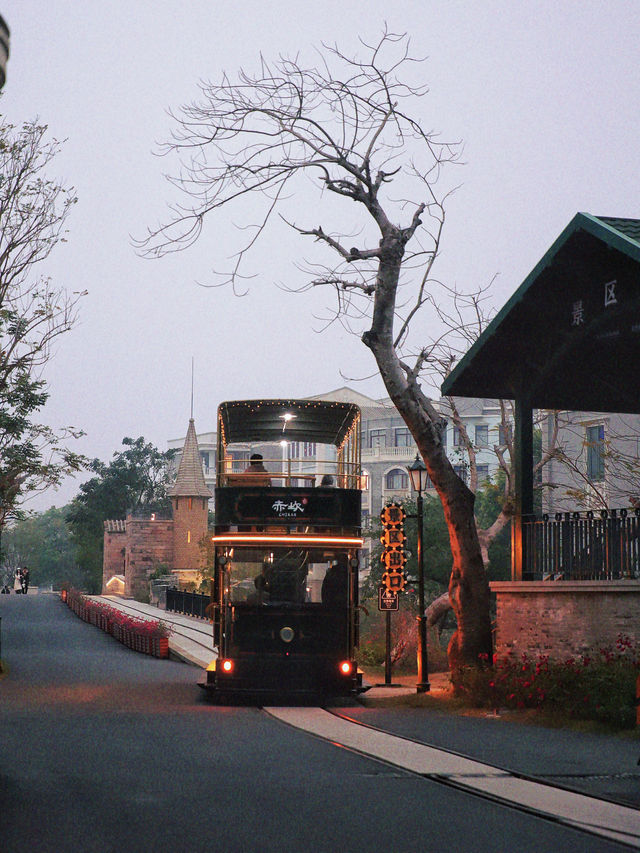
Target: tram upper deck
x=309, y=474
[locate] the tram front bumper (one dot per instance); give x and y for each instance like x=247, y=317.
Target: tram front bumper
x=278, y=674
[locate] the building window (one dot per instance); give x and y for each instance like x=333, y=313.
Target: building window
x=303, y=449
x=482, y=435
x=461, y=471
x=188, y=536
x=204, y=455
x=396, y=480
x=378, y=438
x=595, y=453
x=457, y=437
x=403, y=437
x=483, y=473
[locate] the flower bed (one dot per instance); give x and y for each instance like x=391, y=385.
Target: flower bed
x=151, y=637
x=599, y=687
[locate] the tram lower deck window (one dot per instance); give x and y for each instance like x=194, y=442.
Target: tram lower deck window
x=287, y=576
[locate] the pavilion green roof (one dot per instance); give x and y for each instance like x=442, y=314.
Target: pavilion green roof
x=569, y=337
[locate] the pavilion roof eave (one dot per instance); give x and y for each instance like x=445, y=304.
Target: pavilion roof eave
x=464, y=380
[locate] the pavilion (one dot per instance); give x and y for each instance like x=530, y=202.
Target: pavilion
x=568, y=339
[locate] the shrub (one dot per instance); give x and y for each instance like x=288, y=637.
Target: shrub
x=599, y=687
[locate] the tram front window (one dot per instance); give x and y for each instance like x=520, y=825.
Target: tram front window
x=288, y=577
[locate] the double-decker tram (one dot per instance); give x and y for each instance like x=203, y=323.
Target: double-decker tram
x=287, y=542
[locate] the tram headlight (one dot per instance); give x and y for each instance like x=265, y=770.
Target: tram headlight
x=345, y=667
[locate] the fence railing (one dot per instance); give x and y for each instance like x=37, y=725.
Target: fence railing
x=189, y=603
x=601, y=545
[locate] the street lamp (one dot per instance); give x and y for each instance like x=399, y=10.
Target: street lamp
x=419, y=481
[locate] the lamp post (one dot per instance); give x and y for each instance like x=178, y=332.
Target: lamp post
x=419, y=480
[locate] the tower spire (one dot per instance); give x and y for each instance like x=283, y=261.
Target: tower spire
x=190, y=478
x=191, y=387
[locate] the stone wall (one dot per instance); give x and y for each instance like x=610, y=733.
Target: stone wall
x=564, y=618
x=113, y=561
x=149, y=542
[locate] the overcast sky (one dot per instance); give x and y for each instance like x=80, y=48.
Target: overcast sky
x=544, y=95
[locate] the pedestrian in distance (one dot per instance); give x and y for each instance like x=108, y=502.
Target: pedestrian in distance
x=24, y=580
x=17, y=580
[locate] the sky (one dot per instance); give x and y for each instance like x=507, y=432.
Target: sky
x=543, y=94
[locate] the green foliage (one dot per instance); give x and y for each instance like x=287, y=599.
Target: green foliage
x=488, y=505
x=33, y=211
x=599, y=687
x=404, y=639
x=437, y=550
x=136, y=479
x=42, y=543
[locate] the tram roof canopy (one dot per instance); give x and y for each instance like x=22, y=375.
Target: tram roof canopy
x=321, y=421
x=569, y=337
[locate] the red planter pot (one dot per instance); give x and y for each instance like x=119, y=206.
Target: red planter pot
x=161, y=647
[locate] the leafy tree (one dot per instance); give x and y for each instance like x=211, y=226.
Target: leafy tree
x=42, y=543
x=489, y=506
x=136, y=479
x=33, y=313
x=352, y=127
x=437, y=550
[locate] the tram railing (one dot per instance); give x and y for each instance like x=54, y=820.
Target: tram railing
x=600, y=545
x=188, y=603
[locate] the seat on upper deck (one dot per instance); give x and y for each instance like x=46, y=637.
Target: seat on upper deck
x=249, y=479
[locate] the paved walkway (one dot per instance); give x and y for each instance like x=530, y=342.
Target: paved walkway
x=409, y=736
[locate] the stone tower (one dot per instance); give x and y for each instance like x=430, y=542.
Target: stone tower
x=190, y=499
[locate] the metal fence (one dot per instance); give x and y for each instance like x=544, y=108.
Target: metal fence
x=602, y=545
x=189, y=603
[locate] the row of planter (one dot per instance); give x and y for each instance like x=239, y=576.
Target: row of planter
x=141, y=635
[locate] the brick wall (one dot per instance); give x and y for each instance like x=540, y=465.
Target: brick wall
x=564, y=618
x=190, y=517
x=149, y=542
x=113, y=560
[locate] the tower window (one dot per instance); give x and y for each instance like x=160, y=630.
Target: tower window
x=188, y=536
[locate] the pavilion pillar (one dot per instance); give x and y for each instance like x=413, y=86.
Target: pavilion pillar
x=523, y=486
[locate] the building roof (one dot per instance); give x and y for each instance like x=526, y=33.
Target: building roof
x=190, y=478
x=569, y=337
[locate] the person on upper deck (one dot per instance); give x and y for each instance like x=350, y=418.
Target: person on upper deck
x=255, y=468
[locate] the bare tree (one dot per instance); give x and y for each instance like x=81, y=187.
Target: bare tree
x=33, y=314
x=345, y=125
x=597, y=459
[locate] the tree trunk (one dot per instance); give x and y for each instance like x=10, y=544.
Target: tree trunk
x=468, y=586
x=438, y=609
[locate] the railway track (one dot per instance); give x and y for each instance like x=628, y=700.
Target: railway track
x=587, y=814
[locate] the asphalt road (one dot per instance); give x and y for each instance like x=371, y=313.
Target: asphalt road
x=104, y=749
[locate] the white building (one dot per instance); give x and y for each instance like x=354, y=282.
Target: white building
x=387, y=446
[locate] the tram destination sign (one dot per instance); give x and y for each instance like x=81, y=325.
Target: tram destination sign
x=336, y=508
